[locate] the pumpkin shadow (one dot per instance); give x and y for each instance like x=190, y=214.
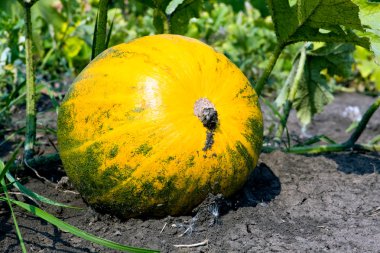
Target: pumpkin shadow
x=261, y=188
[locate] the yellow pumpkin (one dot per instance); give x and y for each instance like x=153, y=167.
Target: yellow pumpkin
x=152, y=126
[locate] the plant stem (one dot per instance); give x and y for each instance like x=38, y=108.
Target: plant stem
x=348, y=145
x=30, y=136
x=282, y=124
x=101, y=28
x=318, y=149
x=268, y=70
x=167, y=27
x=363, y=122
x=44, y=160
x=292, y=94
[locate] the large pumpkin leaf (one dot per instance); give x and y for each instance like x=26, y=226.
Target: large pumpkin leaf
x=325, y=20
x=370, y=17
x=313, y=92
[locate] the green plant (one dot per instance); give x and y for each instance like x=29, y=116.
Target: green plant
x=367, y=77
x=330, y=22
x=245, y=37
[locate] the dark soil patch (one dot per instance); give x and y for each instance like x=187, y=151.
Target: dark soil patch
x=292, y=203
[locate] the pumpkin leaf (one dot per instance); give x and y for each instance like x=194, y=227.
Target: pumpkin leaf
x=175, y=14
x=180, y=18
x=313, y=91
x=298, y=67
x=321, y=20
x=172, y=6
x=370, y=15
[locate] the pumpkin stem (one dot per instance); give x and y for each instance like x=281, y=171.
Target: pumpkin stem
x=207, y=114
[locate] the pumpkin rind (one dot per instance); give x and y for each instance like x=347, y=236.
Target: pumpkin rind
x=128, y=137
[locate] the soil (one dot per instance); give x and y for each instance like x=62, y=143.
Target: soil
x=291, y=203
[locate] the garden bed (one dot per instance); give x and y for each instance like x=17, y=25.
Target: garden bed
x=292, y=203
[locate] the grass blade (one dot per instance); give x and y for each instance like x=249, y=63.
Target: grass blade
x=4, y=168
x=275, y=111
x=316, y=139
x=18, y=232
x=374, y=140
x=18, y=131
x=94, y=37
x=76, y=231
x=34, y=195
x=109, y=33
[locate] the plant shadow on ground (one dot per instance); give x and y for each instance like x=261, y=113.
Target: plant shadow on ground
x=356, y=163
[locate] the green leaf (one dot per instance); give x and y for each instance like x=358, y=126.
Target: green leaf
x=8, y=200
x=4, y=168
x=73, y=46
x=370, y=17
x=94, y=37
x=338, y=58
x=34, y=195
x=159, y=20
x=313, y=91
x=75, y=231
x=109, y=33
x=173, y=16
x=179, y=20
x=316, y=20
x=292, y=80
x=172, y=6
x=50, y=14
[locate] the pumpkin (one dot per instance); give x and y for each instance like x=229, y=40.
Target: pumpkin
x=151, y=127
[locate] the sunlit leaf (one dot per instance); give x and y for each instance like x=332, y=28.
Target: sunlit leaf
x=317, y=20
x=179, y=20
x=370, y=18
x=314, y=92
x=172, y=6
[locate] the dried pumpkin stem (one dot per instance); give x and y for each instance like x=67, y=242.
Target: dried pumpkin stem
x=207, y=114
